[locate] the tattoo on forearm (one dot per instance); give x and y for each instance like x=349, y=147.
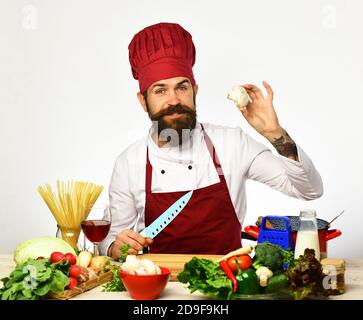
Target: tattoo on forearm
x=286, y=146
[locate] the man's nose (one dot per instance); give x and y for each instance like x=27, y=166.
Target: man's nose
x=173, y=98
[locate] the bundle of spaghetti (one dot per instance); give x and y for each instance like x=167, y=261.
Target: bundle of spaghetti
x=71, y=205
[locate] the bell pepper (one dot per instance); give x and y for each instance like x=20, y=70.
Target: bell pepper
x=247, y=281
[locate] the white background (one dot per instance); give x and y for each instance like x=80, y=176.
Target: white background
x=68, y=100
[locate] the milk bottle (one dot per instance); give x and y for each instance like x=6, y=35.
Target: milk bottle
x=307, y=235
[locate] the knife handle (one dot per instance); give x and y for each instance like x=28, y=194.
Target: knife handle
x=142, y=233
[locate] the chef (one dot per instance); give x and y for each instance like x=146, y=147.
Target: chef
x=180, y=154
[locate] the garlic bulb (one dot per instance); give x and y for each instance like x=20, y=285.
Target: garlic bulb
x=239, y=96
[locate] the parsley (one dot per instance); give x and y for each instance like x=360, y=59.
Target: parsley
x=115, y=284
x=124, y=252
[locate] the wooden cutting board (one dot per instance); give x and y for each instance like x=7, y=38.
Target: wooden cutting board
x=175, y=262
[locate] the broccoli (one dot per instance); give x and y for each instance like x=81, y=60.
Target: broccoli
x=271, y=255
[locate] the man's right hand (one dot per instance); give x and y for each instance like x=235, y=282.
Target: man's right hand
x=136, y=241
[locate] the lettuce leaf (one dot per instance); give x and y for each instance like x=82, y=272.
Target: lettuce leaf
x=206, y=276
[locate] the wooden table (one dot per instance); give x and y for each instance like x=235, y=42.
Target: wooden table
x=178, y=291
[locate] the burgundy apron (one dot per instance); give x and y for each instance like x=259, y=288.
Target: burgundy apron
x=208, y=224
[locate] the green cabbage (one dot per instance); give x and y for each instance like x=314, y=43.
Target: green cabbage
x=40, y=247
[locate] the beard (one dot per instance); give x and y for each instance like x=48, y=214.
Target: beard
x=174, y=131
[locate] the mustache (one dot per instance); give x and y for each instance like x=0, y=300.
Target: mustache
x=178, y=108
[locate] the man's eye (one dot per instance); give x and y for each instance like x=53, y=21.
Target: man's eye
x=160, y=91
x=182, y=88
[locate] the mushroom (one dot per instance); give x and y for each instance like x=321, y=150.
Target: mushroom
x=148, y=265
x=239, y=96
x=134, y=265
x=263, y=274
x=131, y=264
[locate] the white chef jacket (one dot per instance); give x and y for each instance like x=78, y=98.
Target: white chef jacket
x=190, y=167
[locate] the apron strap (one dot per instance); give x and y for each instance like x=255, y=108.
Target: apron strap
x=149, y=173
x=213, y=154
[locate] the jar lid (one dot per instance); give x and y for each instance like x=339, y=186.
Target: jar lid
x=331, y=263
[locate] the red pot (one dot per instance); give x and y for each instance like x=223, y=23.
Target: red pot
x=324, y=235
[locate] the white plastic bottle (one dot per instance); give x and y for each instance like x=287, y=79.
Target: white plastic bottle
x=307, y=235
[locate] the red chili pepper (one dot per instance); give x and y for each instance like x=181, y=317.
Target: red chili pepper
x=224, y=266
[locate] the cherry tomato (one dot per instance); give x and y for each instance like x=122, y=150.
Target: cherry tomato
x=56, y=257
x=243, y=261
x=75, y=271
x=71, y=258
x=72, y=283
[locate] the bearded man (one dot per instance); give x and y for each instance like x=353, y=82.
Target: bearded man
x=182, y=156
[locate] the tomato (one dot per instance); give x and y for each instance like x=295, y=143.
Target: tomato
x=75, y=271
x=56, y=257
x=243, y=261
x=72, y=283
x=71, y=258
x=232, y=263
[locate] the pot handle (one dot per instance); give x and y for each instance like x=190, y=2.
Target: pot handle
x=252, y=231
x=333, y=233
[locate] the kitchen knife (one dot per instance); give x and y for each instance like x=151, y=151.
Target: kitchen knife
x=166, y=217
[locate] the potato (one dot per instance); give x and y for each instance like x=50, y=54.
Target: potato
x=99, y=262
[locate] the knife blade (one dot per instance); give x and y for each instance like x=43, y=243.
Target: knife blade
x=166, y=217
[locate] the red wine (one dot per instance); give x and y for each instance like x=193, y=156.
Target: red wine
x=96, y=230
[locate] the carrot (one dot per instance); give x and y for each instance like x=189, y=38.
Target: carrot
x=238, y=252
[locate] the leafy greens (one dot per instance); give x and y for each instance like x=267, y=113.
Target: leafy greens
x=34, y=279
x=207, y=277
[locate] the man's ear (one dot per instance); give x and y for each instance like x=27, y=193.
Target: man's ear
x=195, y=89
x=141, y=98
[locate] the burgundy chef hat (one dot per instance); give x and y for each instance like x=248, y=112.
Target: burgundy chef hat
x=161, y=51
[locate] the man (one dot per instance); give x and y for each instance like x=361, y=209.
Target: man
x=180, y=154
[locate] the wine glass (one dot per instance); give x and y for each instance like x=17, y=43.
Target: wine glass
x=97, y=225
